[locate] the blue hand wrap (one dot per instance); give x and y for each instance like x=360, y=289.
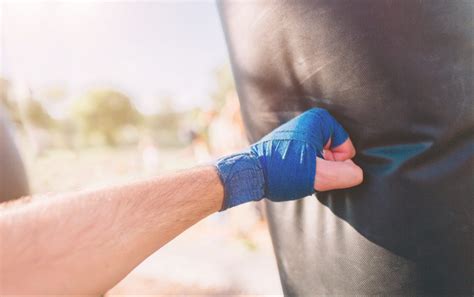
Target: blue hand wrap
x=282, y=165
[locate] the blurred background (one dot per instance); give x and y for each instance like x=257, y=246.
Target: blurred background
x=100, y=93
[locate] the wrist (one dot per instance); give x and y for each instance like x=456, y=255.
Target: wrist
x=242, y=177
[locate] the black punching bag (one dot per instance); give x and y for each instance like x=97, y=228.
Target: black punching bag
x=13, y=179
x=398, y=75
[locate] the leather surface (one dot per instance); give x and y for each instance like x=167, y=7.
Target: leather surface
x=398, y=75
x=13, y=179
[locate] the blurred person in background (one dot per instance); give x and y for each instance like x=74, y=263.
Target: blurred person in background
x=199, y=145
x=196, y=134
x=226, y=130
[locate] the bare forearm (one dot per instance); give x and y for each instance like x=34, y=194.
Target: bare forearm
x=85, y=242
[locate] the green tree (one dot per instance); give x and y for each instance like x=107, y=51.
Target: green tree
x=104, y=112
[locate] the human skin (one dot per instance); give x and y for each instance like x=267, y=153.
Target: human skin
x=86, y=242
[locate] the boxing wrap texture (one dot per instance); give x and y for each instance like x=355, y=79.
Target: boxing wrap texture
x=282, y=165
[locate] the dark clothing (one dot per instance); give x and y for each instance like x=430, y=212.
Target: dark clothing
x=398, y=75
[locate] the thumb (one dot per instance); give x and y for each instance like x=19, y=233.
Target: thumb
x=342, y=152
x=331, y=175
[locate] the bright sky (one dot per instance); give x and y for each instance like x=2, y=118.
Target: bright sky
x=146, y=49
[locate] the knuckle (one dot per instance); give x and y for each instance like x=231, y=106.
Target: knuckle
x=320, y=111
